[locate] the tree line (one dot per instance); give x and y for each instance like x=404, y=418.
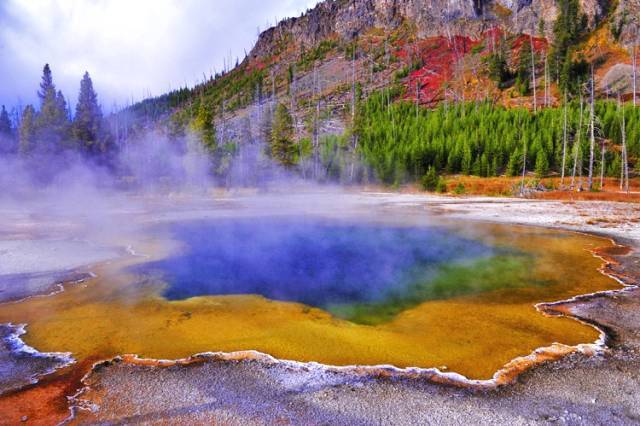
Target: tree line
x=51, y=127
x=402, y=143
x=397, y=142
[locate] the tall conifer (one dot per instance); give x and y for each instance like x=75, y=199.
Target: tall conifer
x=87, y=124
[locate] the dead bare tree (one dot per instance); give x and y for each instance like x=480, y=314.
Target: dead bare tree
x=354, y=136
x=447, y=28
x=417, y=98
x=547, y=88
x=390, y=113
x=564, y=143
x=223, y=119
x=316, y=121
x=524, y=160
x=292, y=98
x=624, y=172
x=353, y=81
x=602, y=162
x=635, y=68
x=273, y=88
x=576, y=145
x=524, y=167
x=387, y=56
x=533, y=72
x=592, y=130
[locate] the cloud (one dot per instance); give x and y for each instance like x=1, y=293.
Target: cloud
x=132, y=49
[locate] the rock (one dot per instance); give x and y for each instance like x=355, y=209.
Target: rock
x=349, y=18
x=619, y=79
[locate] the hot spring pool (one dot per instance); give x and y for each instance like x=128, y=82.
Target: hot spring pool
x=340, y=291
x=340, y=267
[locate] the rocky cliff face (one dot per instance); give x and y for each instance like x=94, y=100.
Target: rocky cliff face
x=349, y=18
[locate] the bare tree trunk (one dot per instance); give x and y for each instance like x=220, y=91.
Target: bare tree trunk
x=564, y=143
x=623, y=137
x=273, y=88
x=592, y=131
x=224, y=123
x=354, y=137
x=626, y=168
x=292, y=96
x=316, y=124
x=533, y=74
x=353, y=87
x=417, y=99
x=448, y=30
x=602, y=164
x=622, y=168
x=314, y=130
x=624, y=174
x=546, y=80
x=635, y=70
x=524, y=166
x=386, y=53
x=576, y=144
x=524, y=169
x=390, y=113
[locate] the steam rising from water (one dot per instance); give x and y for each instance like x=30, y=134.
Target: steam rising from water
x=308, y=260
x=153, y=163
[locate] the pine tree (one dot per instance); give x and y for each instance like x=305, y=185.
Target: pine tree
x=542, y=164
x=567, y=29
x=399, y=146
x=283, y=148
x=87, y=125
x=63, y=123
x=513, y=167
x=52, y=123
x=6, y=129
x=523, y=74
x=467, y=159
x=498, y=69
x=26, y=132
x=6, y=132
x=47, y=88
x=430, y=180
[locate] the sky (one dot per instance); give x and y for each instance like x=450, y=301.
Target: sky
x=131, y=48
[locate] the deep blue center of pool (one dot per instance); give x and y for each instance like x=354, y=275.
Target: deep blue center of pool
x=312, y=261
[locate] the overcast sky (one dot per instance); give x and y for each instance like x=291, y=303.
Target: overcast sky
x=130, y=47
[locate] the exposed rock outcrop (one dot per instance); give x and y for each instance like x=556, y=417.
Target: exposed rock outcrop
x=349, y=18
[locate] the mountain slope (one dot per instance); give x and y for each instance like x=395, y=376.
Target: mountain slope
x=323, y=39
x=324, y=64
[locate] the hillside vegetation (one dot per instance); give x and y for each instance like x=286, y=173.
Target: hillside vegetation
x=360, y=92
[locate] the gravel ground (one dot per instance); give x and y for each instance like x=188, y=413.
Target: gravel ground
x=578, y=389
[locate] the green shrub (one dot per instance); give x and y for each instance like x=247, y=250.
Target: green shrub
x=429, y=181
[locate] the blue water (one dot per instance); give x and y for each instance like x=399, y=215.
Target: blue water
x=312, y=261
